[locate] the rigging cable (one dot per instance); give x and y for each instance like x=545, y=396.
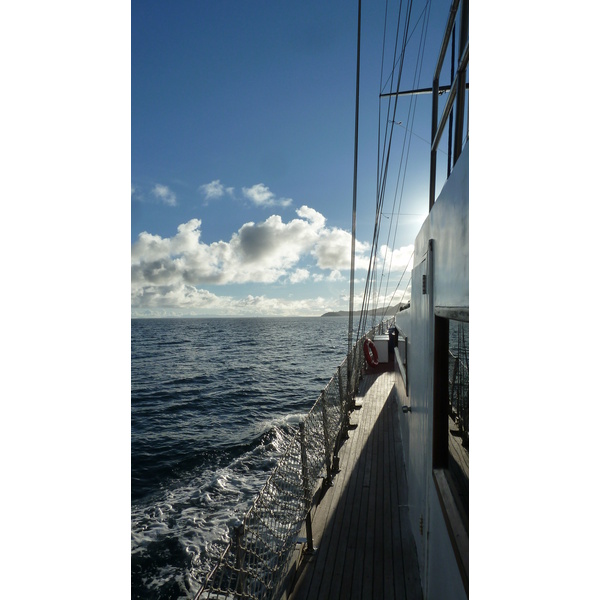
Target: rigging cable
x=383, y=177
x=398, y=285
x=368, y=285
x=406, y=145
x=391, y=75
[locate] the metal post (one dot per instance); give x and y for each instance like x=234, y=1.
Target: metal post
x=327, y=441
x=238, y=533
x=462, y=78
x=307, y=495
x=344, y=405
x=434, y=127
x=450, y=118
x=341, y=386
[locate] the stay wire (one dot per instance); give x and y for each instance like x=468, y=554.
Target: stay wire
x=397, y=286
x=372, y=258
x=381, y=182
x=381, y=192
x=407, y=145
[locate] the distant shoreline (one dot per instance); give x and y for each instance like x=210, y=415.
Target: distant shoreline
x=377, y=312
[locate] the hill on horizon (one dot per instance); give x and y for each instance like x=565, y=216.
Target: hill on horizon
x=374, y=311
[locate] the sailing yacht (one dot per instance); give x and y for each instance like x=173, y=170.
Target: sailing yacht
x=371, y=499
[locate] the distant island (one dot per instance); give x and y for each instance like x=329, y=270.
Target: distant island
x=379, y=312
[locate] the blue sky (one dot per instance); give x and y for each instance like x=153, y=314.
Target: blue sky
x=242, y=132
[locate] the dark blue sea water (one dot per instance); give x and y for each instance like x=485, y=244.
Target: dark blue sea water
x=213, y=404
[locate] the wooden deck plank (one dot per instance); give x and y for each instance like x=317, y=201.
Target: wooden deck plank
x=347, y=482
x=396, y=499
x=407, y=555
x=335, y=539
x=357, y=558
x=362, y=495
x=363, y=549
x=347, y=513
x=369, y=559
x=389, y=508
x=346, y=556
x=326, y=514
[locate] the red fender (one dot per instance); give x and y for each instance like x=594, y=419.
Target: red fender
x=370, y=353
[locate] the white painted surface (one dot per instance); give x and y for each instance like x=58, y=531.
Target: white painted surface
x=446, y=265
x=381, y=345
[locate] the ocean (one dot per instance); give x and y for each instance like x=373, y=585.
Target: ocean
x=213, y=405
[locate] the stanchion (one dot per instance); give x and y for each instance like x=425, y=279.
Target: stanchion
x=307, y=491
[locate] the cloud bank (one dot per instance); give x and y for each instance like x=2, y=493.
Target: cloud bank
x=172, y=272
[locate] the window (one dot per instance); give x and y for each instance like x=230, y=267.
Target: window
x=458, y=411
x=451, y=431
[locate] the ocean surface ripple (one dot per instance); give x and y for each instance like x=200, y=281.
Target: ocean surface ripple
x=214, y=403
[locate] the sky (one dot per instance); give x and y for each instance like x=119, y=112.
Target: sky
x=242, y=150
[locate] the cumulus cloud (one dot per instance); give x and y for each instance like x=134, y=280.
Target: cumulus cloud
x=261, y=252
x=299, y=275
x=214, y=189
x=398, y=259
x=177, y=295
x=172, y=269
x=261, y=195
x=333, y=252
x=335, y=275
x=164, y=194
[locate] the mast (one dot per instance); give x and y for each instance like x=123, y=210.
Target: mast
x=354, y=188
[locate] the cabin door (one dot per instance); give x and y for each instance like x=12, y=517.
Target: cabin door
x=420, y=358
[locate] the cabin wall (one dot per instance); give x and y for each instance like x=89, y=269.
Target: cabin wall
x=442, y=256
x=403, y=325
x=448, y=226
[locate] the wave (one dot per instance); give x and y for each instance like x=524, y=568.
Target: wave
x=188, y=523
x=206, y=432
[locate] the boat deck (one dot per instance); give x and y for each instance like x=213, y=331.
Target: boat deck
x=364, y=545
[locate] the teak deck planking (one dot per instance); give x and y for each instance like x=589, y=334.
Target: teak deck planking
x=364, y=545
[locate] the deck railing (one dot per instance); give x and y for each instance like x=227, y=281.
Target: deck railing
x=256, y=561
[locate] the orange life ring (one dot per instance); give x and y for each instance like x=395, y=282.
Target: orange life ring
x=370, y=353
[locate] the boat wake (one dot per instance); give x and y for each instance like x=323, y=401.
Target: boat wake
x=189, y=524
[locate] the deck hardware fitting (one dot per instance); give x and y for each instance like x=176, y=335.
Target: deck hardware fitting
x=406, y=409
x=336, y=464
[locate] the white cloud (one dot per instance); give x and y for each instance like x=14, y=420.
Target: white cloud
x=174, y=296
x=163, y=193
x=335, y=275
x=185, y=300
x=299, y=275
x=215, y=189
x=334, y=251
x=396, y=260
x=261, y=195
x=173, y=268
